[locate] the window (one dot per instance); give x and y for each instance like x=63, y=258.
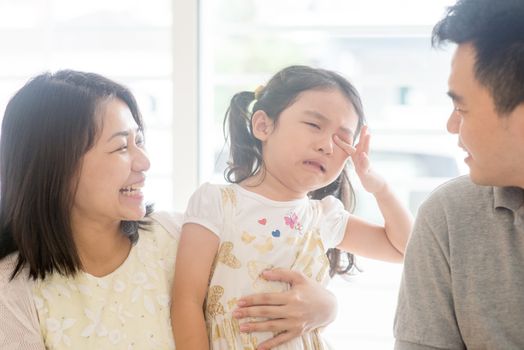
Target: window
x=128, y=41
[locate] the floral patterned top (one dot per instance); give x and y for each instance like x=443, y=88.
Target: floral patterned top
x=257, y=233
x=127, y=309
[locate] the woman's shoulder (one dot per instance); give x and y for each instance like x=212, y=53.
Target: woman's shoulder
x=19, y=284
x=170, y=222
x=162, y=230
x=14, y=292
x=7, y=266
x=158, y=240
x=19, y=327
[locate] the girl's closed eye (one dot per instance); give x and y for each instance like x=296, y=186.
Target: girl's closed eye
x=313, y=125
x=346, y=137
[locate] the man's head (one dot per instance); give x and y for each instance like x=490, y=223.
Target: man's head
x=486, y=85
x=495, y=29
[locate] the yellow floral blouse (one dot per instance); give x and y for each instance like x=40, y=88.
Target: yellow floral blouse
x=127, y=309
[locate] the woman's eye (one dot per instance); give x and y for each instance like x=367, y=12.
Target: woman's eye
x=122, y=148
x=139, y=142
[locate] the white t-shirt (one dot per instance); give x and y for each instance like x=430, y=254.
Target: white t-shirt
x=257, y=233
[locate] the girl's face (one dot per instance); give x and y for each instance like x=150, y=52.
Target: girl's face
x=298, y=150
x=112, y=172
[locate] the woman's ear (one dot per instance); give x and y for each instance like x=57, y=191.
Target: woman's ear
x=261, y=125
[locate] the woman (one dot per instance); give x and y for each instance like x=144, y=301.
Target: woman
x=84, y=263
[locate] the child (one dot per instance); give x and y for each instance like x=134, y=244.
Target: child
x=292, y=145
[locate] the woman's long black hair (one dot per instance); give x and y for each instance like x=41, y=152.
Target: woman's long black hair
x=48, y=126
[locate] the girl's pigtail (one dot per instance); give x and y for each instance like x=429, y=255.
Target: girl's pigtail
x=245, y=152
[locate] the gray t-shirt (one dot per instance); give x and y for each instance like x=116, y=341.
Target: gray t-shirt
x=463, y=281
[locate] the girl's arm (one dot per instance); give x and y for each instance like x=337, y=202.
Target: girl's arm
x=398, y=221
x=305, y=306
x=367, y=239
x=196, y=251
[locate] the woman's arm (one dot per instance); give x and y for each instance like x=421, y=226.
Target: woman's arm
x=196, y=251
x=304, y=307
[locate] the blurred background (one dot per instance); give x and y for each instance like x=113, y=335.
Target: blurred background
x=184, y=59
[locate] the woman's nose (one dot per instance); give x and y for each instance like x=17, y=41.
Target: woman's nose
x=141, y=160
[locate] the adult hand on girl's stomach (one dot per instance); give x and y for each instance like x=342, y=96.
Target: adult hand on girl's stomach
x=304, y=307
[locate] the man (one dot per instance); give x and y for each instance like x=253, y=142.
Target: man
x=463, y=282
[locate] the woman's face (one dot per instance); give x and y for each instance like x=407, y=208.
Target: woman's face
x=112, y=172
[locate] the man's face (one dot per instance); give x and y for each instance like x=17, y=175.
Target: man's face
x=494, y=143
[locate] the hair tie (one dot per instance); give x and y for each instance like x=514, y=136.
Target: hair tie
x=258, y=91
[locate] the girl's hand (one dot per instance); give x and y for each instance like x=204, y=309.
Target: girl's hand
x=371, y=181
x=302, y=308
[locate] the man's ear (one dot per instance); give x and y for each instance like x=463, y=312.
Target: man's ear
x=515, y=120
x=261, y=125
